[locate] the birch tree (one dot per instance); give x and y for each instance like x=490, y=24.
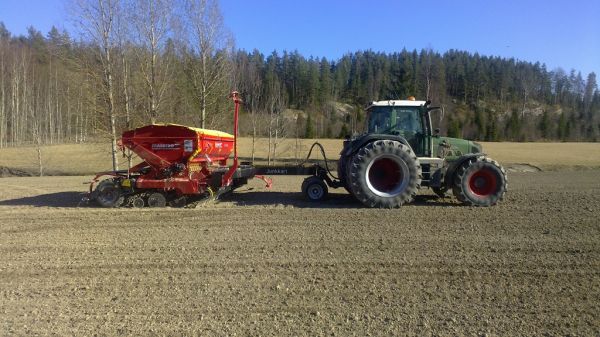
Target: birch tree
x=151, y=25
x=96, y=20
x=210, y=45
x=3, y=47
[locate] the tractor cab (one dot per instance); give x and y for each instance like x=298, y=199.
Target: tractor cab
x=408, y=119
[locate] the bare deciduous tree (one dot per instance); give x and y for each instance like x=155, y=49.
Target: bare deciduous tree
x=151, y=26
x=277, y=128
x=96, y=19
x=3, y=44
x=210, y=45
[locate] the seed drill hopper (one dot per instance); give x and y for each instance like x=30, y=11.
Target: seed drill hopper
x=179, y=164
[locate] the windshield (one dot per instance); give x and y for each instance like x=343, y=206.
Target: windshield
x=391, y=119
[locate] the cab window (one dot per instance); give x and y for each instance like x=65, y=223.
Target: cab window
x=394, y=119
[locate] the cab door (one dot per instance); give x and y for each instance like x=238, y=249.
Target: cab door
x=410, y=124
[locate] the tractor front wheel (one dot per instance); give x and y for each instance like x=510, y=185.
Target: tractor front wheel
x=480, y=181
x=384, y=174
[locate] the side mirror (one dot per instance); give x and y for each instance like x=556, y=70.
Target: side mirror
x=436, y=132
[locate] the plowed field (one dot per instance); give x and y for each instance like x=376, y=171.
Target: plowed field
x=269, y=263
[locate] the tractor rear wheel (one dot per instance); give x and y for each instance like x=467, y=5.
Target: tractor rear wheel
x=108, y=194
x=480, y=181
x=384, y=174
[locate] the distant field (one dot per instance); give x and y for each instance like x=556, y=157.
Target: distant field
x=84, y=159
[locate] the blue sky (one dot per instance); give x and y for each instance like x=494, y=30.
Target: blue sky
x=559, y=33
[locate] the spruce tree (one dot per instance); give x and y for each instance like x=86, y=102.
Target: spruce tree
x=310, y=129
x=344, y=132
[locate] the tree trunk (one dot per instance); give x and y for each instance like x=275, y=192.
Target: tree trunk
x=111, y=109
x=270, y=139
x=106, y=44
x=253, y=136
x=2, y=96
x=39, y=154
x=127, y=108
x=276, y=139
x=203, y=93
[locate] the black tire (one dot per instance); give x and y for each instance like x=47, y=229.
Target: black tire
x=480, y=181
x=108, y=194
x=385, y=174
x=137, y=201
x=314, y=189
x=157, y=199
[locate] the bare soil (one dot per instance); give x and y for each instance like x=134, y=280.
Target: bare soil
x=269, y=263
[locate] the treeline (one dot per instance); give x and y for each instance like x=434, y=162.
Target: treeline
x=134, y=62
x=485, y=98
x=140, y=67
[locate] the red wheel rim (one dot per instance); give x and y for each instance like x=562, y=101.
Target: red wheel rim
x=483, y=182
x=385, y=175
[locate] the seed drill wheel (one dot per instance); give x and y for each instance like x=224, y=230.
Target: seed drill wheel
x=137, y=201
x=108, y=194
x=384, y=174
x=480, y=181
x=314, y=189
x=157, y=199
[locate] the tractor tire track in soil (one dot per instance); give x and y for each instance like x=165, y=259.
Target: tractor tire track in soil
x=268, y=263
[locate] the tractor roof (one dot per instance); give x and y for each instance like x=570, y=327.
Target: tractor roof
x=397, y=103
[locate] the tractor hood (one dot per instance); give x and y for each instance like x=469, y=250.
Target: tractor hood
x=454, y=147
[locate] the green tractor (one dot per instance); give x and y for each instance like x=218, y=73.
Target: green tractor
x=400, y=153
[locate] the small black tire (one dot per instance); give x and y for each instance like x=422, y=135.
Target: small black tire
x=385, y=174
x=108, y=194
x=480, y=181
x=314, y=189
x=157, y=199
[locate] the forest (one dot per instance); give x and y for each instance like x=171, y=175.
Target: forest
x=132, y=62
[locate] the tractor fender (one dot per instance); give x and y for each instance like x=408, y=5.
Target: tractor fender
x=359, y=143
x=454, y=165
